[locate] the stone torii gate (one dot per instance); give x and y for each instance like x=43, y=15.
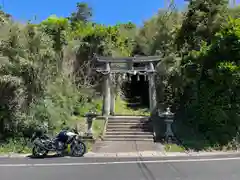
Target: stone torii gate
x=110, y=66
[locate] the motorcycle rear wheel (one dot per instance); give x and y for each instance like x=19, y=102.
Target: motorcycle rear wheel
x=39, y=152
x=78, y=149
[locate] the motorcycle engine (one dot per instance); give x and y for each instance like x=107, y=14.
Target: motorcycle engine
x=60, y=145
x=48, y=144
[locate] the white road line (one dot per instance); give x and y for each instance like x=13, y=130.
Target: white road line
x=118, y=162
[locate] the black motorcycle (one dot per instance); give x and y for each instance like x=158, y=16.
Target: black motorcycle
x=42, y=144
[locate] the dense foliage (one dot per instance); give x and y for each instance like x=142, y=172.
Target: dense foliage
x=199, y=73
x=47, y=72
x=212, y=75
x=46, y=69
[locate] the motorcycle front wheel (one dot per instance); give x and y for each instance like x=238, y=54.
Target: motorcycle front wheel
x=78, y=149
x=39, y=152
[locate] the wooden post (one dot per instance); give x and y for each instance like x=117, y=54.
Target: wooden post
x=152, y=89
x=107, y=92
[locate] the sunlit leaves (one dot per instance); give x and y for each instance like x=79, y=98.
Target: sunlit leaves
x=82, y=14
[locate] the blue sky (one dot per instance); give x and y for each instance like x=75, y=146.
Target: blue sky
x=105, y=11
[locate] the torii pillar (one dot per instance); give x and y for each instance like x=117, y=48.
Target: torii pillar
x=107, y=91
x=112, y=101
x=152, y=88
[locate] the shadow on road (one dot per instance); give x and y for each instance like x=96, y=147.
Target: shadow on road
x=46, y=157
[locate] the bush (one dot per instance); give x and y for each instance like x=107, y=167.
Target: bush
x=212, y=105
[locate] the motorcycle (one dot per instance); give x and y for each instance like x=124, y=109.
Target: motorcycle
x=65, y=140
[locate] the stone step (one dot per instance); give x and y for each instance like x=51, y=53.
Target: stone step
x=128, y=124
x=128, y=118
x=119, y=128
x=131, y=129
x=131, y=126
x=128, y=139
x=116, y=133
x=115, y=125
x=124, y=129
x=141, y=136
x=127, y=121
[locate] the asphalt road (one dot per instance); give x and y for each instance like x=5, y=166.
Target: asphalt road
x=181, y=168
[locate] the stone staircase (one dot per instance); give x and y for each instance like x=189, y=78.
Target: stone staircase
x=128, y=129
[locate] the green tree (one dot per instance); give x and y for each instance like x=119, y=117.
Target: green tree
x=202, y=20
x=213, y=107
x=158, y=34
x=83, y=13
x=234, y=12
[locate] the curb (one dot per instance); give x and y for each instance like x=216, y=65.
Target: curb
x=160, y=154
x=120, y=117
x=12, y=155
x=139, y=154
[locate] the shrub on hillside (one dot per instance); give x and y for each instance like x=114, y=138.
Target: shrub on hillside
x=213, y=81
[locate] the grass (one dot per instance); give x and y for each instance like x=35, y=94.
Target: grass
x=122, y=109
x=98, y=128
x=15, y=146
x=21, y=146
x=173, y=148
x=24, y=146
